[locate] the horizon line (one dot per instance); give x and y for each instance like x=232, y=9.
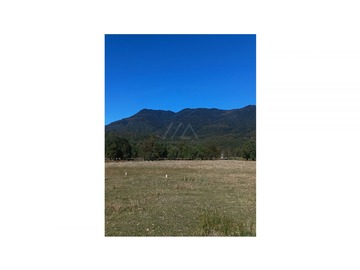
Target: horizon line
x=179, y=111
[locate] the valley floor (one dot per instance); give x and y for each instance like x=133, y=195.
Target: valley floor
x=180, y=198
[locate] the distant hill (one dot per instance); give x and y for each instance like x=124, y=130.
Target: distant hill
x=221, y=127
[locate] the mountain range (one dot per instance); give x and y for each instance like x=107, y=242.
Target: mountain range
x=215, y=125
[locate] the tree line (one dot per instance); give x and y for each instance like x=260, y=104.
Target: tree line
x=154, y=148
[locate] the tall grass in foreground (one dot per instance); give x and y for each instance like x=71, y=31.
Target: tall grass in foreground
x=215, y=223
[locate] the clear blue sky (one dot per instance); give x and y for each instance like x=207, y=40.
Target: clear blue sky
x=173, y=72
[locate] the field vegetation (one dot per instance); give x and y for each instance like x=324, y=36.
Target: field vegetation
x=180, y=198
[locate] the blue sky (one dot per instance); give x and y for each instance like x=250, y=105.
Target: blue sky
x=173, y=72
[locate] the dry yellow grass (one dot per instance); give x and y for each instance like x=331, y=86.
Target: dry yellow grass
x=196, y=198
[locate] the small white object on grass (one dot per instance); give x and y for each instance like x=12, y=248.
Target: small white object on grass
x=125, y=174
x=166, y=176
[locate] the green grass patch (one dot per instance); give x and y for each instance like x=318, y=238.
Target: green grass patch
x=215, y=223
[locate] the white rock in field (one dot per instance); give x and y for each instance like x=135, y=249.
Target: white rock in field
x=125, y=174
x=166, y=176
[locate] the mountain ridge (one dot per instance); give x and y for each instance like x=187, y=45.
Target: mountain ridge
x=180, y=111
x=207, y=123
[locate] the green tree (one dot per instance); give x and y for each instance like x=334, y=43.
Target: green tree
x=200, y=151
x=116, y=147
x=211, y=151
x=173, y=152
x=152, y=148
x=160, y=150
x=248, y=150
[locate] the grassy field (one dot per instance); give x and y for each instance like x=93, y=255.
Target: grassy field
x=197, y=198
